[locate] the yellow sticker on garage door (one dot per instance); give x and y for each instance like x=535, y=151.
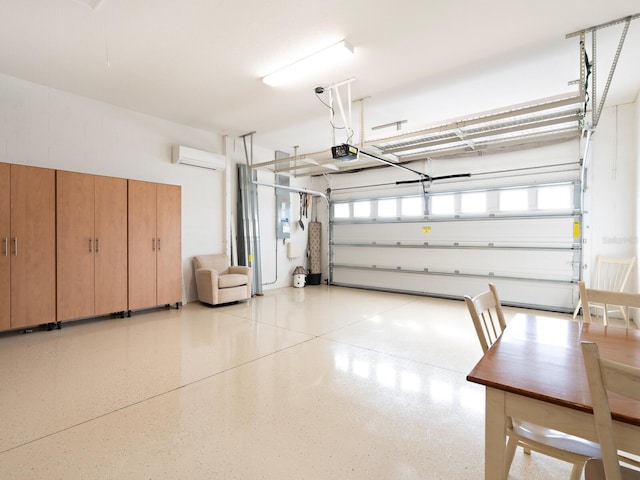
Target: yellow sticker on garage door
x=576, y=229
x=426, y=230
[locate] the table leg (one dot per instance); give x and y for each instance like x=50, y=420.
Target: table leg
x=495, y=435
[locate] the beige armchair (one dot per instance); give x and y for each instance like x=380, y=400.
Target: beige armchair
x=217, y=282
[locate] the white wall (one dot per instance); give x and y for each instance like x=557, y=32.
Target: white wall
x=612, y=195
x=43, y=127
x=277, y=267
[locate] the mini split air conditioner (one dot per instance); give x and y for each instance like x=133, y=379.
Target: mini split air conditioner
x=92, y=4
x=197, y=158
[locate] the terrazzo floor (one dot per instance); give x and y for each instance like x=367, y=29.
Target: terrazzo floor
x=301, y=383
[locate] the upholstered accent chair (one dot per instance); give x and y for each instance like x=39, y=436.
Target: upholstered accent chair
x=217, y=282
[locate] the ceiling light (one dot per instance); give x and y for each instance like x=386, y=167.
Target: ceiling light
x=307, y=65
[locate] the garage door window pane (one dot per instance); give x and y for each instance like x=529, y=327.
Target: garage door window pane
x=554, y=198
x=443, y=205
x=513, y=200
x=362, y=209
x=412, y=207
x=387, y=207
x=475, y=202
x=341, y=210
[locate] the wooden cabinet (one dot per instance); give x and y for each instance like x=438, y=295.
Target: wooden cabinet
x=169, y=247
x=5, y=235
x=91, y=245
x=27, y=238
x=155, y=244
x=75, y=245
x=111, y=253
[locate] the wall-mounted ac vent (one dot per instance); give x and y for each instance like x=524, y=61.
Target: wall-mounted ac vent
x=92, y=4
x=197, y=158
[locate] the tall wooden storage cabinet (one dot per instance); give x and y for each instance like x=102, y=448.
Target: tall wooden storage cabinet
x=155, y=244
x=27, y=233
x=5, y=235
x=91, y=245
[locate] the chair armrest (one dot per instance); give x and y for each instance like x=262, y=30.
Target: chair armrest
x=207, y=285
x=240, y=269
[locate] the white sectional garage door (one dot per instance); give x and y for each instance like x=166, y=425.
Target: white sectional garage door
x=519, y=229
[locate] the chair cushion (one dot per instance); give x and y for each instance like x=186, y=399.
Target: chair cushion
x=232, y=280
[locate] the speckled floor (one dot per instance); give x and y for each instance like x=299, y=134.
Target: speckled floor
x=311, y=383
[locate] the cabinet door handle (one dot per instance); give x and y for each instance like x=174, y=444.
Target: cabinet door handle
x=153, y=244
x=158, y=244
x=5, y=250
x=90, y=245
x=15, y=246
x=97, y=245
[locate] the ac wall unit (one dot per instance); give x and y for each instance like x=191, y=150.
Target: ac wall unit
x=197, y=158
x=92, y=4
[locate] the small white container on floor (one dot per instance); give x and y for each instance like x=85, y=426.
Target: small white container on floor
x=298, y=280
x=299, y=277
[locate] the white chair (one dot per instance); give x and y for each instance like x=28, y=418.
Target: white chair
x=611, y=274
x=488, y=318
x=605, y=375
x=605, y=298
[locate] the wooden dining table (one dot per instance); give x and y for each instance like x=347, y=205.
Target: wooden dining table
x=534, y=372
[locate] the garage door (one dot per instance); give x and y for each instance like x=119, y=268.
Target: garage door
x=518, y=228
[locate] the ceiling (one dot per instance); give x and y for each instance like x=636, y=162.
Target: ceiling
x=200, y=62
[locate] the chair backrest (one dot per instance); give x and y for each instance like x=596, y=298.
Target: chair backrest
x=612, y=273
x=486, y=313
x=605, y=297
x=218, y=262
x=605, y=375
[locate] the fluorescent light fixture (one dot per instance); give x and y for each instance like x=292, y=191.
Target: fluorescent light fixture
x=308, y=65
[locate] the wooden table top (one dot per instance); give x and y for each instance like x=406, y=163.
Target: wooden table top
x=540, y=357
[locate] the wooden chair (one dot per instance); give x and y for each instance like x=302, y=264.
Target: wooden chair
x=605, y=375
x=488, y=318
x=590, y=296
x=611, y=274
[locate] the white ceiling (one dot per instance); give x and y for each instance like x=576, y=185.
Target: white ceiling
x=199, y=62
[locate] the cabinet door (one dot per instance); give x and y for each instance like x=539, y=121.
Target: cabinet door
x=75, y=245
x=169, y=251
x=33, y=250
x=5, y=260
x=111, y=245
x=142, y=244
